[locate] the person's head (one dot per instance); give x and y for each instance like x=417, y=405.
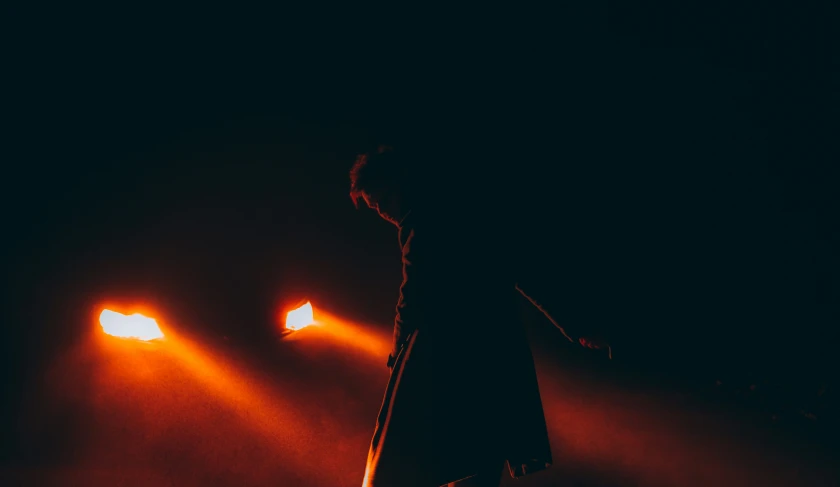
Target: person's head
x=381, y=180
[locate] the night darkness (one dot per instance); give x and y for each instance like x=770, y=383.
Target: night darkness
x=670, y=167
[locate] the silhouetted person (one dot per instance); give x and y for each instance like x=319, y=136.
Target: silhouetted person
x=463, y=397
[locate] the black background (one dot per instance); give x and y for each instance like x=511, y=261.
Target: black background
x=671, y=166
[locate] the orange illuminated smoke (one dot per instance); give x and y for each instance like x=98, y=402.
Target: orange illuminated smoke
x=300, y=317
x=134, y=326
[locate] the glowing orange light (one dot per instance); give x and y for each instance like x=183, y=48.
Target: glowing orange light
x=300, y=317
x=129, y=326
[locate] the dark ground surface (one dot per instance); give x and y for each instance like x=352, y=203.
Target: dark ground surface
x=300, y=413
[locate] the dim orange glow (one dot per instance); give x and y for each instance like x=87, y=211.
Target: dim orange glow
x=134, y=326
x=300, y=318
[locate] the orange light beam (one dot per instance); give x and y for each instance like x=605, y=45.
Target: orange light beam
x=255, y=400
x=252, y=399
x=355, y=334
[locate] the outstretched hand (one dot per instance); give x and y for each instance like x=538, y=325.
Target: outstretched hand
x=595, y=343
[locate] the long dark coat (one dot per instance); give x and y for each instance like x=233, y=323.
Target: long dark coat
x=463, y=391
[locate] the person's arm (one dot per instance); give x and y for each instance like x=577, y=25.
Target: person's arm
x=542, y=310
x=584, y=339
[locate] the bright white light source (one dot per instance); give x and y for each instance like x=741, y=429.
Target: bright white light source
x=134, y=326
x=300, y=318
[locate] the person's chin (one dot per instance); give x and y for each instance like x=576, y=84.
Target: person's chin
x=388, y=218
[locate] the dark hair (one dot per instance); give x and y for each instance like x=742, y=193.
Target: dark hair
x=376, y=171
